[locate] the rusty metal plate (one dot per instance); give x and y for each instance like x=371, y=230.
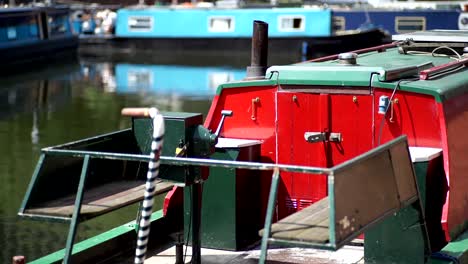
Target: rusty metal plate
x=370, y=187
x=403, y=169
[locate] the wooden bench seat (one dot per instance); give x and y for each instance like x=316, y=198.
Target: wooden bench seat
x=99, y=200
x=362, y=192
x=308, y=225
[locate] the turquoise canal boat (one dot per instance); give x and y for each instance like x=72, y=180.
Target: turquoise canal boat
x=29, y=34
x=310, y=30
x=294, y=31
x=308, y=155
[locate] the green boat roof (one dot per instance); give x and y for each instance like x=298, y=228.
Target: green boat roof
x=389, y=68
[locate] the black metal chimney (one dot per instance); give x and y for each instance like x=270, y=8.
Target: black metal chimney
x=259, y=56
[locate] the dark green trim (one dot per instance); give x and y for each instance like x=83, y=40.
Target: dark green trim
x=410, y=86
x=457, y=249
x=95, y=241
x=326, y=75
x=76, y=211
x=269, y=216
x=31, y=184
x=247, y=83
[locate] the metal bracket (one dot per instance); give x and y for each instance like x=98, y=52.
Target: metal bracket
x=314, y=137
x=335, y=137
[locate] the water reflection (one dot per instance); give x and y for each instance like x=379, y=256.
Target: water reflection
x=187, y=81
x=26, y=96
x=76, y=100
x=24, y=101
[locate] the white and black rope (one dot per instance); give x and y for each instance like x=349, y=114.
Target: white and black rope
x=150, y=188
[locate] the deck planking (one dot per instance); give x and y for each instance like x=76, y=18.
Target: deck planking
x=99, y=200
x=308, y=225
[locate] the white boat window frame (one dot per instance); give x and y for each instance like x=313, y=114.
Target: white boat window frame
x=231, y=28
x=142, y=29
x=292, y=17
x=338, y=21
x=410, y=21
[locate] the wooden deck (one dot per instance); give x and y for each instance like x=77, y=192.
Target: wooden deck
x=308, y=225
x=99, y=200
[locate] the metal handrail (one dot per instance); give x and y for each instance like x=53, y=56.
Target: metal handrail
x=180, y=161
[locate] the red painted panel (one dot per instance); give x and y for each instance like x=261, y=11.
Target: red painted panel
x=306, y=113
x=415, y=115
x=456, y=122
x=443, y=134
x=299, y=113
x=351, y=115
x=241, y=124
x=209, y=116
x=419, y=117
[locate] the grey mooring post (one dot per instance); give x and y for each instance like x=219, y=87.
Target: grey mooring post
x=259, y=56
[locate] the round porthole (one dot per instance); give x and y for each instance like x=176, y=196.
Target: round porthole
x=463, y=22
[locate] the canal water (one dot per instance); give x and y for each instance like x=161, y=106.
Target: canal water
x=73, y=100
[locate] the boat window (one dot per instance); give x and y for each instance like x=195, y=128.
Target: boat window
x=409, y=24
x=11, y=32
x=140, y=23
x=58, y=24
x=291, y=23
x=221, y=24
x=463, y=21
x=19, y=27
x=339, y=23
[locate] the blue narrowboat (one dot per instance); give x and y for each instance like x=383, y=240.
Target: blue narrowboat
x=31, y=33
x=221, y=23
x=400, y=21
x=292, y=31
x=312, y=31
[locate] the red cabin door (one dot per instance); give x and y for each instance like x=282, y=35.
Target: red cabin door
x=318, y=130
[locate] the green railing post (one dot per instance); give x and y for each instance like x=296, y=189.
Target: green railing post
x=196, y=223
x=269, y=215
x=76, y=211
x=35, y=176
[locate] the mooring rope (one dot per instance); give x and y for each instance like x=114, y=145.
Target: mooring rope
x=150, y=188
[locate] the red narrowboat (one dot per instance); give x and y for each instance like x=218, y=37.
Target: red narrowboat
x=367, y=142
